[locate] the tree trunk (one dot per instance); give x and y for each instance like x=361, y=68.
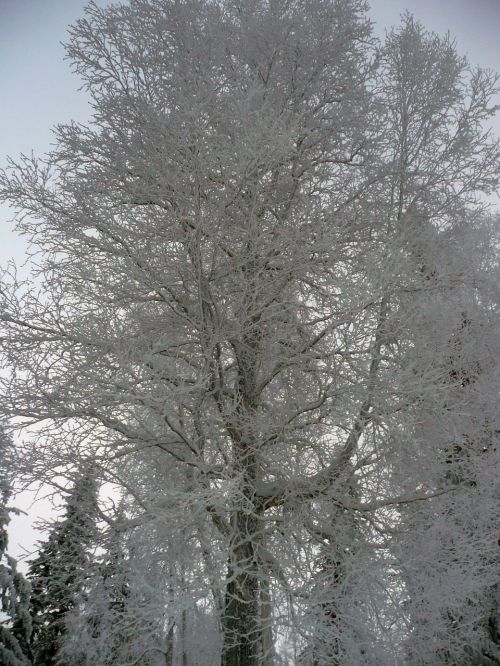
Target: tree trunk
x=267, y=658
x=169, y=647
x=184, y=638
x=241, y=621
x=241, y=627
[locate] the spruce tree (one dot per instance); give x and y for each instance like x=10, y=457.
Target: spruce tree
x=57, y=572
x=116, y=622
x=15, y=622
x=98, y=630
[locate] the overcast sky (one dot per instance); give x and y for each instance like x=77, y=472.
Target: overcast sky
x=37, y=90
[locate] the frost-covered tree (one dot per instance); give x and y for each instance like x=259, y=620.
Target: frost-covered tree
x=95, y=631
x=148, y=596
x=57, y=573
x=243, y=259
x=118, y=618
x=15, y=620
x=444, y=337
x=177, y=568
x=430, y=221
x=451, y=574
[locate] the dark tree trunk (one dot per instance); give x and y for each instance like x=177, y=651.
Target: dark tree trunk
x=268, y=655
x=169, y=647
x=242, y=636
x=241, y=626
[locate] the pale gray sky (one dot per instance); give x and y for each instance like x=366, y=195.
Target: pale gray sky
x=37, y=90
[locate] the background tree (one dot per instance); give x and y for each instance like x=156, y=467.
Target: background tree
x=429, y=219
x=15, y=623
x=57, y=572
x=445, y=262
x=115, y=619
x=149, y=596
x=457, y=596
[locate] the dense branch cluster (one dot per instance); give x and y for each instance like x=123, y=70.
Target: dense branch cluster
x=264, y=315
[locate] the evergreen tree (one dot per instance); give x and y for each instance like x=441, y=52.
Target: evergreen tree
x=57, y=572
x=116, y=621
x=96, y=627
x=15, y=622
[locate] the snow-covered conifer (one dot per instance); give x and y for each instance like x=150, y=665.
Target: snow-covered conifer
x=57, y=573
x=15, y=620
x=117, y=620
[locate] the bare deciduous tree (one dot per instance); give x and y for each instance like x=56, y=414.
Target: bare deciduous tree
x=240, y=259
